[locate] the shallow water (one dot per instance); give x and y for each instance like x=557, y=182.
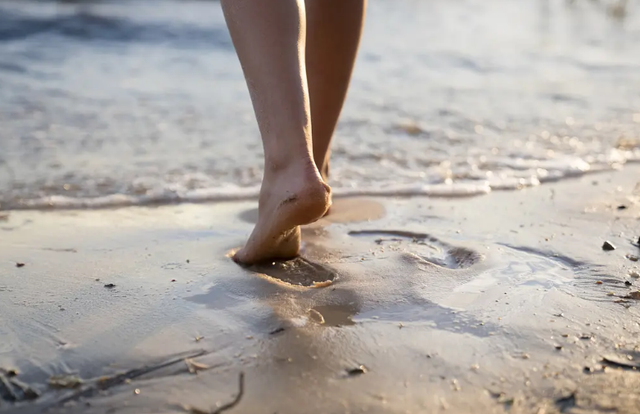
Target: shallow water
x=113, y=103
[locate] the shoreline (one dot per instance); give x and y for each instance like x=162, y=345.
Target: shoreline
x=488, y=303
x=241, y=194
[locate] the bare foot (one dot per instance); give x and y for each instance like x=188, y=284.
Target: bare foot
x=289, y=197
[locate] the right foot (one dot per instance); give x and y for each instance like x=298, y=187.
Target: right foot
x=290, y=197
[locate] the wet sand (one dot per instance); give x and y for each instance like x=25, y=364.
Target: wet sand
x=505, y=302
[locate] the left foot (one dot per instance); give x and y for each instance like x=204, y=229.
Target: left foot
x=324, y=172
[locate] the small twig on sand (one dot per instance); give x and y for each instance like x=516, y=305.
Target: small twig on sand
x=108, y=382
x=236, y=400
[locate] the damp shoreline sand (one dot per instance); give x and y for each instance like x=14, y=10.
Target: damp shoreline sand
x=494, y=303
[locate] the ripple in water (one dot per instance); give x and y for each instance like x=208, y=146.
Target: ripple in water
x=123, y=103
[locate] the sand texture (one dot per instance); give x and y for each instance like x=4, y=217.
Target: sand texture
x=499, y=303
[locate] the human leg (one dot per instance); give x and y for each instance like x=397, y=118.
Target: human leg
x=269, y=37
x=333, y=35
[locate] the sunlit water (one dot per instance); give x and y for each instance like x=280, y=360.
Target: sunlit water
x=144, y=101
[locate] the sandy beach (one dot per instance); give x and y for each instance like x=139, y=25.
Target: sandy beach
x=481, y=255
x=498, y=303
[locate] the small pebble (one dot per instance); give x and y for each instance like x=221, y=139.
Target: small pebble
x=19, y=264
x=634, y=274
x=607, y=246
x=634, y=295
x=136, y=391
x=359, y=370
x=622, y=207
x=110, y=285
x=599, y=282
x=632, y=257
x=173, y=280
x=627, y=283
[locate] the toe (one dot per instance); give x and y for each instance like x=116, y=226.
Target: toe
x=240, y=257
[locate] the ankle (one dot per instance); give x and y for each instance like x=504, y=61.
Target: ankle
x=293, y=165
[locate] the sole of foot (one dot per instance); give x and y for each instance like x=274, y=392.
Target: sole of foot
x=289, y=198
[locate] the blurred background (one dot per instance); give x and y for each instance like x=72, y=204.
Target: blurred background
x=138, y=101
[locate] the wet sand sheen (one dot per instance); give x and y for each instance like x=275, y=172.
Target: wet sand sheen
x=487, y=304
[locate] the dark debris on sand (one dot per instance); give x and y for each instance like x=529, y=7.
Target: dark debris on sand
x=607, y=246
x=620, y=362
x=14, y=390
x=225, y=407
x=110, y=285
x=19, y=264
x=359, y=370
x=565, y=403
x=633, y=295
x=503, y=398
x=96, y=386
x=65, y=381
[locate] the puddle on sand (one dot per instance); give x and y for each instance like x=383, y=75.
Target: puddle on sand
x=521, y=274
x=425, y=246
x=334, y=315
x=297, y=272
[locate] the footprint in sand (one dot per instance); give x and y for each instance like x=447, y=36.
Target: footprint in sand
x=297, y=272
x=307, y=272
x=424, y=246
